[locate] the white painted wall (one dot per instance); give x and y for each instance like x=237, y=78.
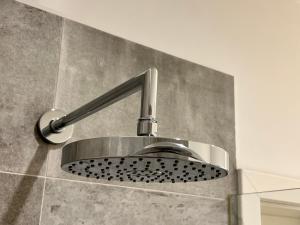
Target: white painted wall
x=257, y=182
x=279, y=220
x=264, y=195
x=256, y=41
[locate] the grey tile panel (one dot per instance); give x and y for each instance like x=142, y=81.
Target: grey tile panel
x=29, y=59
x=194, y=102
x=21, y=198
x=74, y=203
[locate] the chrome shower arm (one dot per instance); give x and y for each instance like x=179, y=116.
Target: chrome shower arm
x=147, y=124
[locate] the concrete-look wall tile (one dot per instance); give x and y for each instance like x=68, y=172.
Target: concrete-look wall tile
x=194, y=102
x=21, y=198
x=74, y=203
x=233, y=210
x=29, y=60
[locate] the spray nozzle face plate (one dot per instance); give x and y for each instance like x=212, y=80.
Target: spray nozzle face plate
x=113, y=159
x=145, y=169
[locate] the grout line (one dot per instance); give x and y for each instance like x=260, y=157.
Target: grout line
x=44, y=185
x=42, y=203
x=138, y=188
x=59, y=63
x=53, y=106
x=119, y=186
x=22, y=174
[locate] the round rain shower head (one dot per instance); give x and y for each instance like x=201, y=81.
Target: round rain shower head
x=145, y=159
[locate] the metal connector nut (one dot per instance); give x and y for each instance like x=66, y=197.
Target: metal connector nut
x=147, y=127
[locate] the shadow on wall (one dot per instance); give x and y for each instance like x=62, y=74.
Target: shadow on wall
x=233, y=210
x=18, y=200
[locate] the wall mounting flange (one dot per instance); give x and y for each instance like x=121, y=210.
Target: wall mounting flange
x=50, y=135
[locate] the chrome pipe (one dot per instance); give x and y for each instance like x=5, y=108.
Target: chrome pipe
x=147, y=124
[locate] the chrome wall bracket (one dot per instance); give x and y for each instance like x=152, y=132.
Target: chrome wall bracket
x=56, y=127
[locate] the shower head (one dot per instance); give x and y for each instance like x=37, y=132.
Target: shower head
x=145, y=159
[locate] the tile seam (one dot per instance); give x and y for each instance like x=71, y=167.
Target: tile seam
x=42, y=203
x=119, y=186
x=53, y=106
x=137, y=188
x=44, y=187
x=59, y=63
x=22, y=174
